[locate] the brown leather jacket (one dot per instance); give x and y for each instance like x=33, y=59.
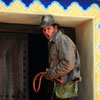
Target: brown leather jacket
x=63, y=58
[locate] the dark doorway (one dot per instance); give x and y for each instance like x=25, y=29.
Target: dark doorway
x=22, y=68
x=38, y=61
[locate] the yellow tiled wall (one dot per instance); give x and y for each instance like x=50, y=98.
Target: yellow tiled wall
x=73, y=10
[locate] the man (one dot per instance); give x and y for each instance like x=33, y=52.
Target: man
x=63, y=59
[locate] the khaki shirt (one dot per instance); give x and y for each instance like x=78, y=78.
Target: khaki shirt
x=64, y=59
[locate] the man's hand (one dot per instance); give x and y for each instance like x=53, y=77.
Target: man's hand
x=46, y=74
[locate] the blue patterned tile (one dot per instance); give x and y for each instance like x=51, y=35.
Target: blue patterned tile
x=99, y=46
x=99, y=87
x=65, y=3
x=85, y=4
x=27, y=2
x=99, y=67
x=7, y=2
x=98, y=26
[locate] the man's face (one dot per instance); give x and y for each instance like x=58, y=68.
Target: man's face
x=49, y=31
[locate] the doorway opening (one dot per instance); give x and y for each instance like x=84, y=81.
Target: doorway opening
x=84, y=41
x=38, y=60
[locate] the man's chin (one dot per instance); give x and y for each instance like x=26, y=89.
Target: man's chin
x=49, y=38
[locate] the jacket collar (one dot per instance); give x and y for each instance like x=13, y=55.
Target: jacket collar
x=58, y=34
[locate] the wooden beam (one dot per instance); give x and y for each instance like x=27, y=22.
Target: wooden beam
x=19, y=28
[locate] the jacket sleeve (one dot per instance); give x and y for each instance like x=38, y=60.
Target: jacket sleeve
x=66, y=56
